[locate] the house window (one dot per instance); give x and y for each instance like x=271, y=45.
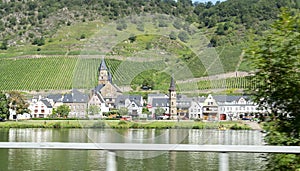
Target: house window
x=36, y=111
x=42, y=111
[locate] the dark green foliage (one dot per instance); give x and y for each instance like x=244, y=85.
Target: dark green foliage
x=82, y=36
x=63, y=111
x=39, y=41
x=132, y=38
x=3, y=45
x=122, y=122
x=183, y=36
x=162, y=23
x=247, y=13
x=173, y=35
x=18, y=102
x=276, y=59
x=4, y=106
x=159, y=111
x=220, y=29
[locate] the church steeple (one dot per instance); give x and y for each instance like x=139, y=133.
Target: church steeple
x=102, y=65
x=172, y=99
x=103, y=72
x=172, y=84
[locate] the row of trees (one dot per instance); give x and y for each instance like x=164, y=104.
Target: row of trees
x=276, y=60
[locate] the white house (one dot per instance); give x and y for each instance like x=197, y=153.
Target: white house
x=195, y=110
x=40, y=108
x=237, y=107
x=134, y=104
x=98, y=100
x=157, y=103
x=210, y=109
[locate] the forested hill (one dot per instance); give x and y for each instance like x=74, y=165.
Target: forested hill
x=24, y=21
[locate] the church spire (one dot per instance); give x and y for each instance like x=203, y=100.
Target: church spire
x=172, y=84
x=102, y=65
x=104, y=75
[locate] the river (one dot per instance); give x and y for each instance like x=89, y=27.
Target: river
x=29, y=159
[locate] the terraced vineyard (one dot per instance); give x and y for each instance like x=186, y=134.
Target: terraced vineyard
x=36, y=73
x=61, y=73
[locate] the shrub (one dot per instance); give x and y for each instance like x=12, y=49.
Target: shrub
x=122, y=123
x=99, y=124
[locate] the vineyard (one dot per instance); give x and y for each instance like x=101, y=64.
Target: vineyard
x=229, y=83
x=36, y=73
x=61, y=73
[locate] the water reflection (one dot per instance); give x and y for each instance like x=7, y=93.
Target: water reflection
x=27, y=159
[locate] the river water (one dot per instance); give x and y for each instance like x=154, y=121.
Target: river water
x=29, y=159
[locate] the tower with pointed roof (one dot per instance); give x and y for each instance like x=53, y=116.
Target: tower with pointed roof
x=172, y=99
x=105, y=88
x=104, y=75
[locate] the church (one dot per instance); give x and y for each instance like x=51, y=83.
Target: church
x=106, y=89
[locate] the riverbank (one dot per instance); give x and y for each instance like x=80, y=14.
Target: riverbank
x=234, y=125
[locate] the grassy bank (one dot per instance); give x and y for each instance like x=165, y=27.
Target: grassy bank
x=122, y=124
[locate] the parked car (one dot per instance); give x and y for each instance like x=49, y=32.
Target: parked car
x=2, y=120
x=126, y=118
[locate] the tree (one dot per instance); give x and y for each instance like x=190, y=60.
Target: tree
x=276, y=60
x=63, y=111
x=159, y=111
x=4, y=106
x=220, y=29
x=94, y=110
x=148, y=83
x=123, y=111
x=173, y=35
x=183, y=36
x=3, y=45
x=132, y=38
x=17, y=102
x=39, y=41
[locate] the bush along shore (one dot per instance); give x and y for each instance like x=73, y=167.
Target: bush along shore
x=116, y=124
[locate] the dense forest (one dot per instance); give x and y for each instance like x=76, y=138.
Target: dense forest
x=24, y=21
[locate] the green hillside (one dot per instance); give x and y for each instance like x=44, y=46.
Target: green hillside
x=42, y=43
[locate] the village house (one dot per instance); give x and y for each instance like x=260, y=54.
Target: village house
x=97, y=100
x=210, y=109
x=77, y=101
x=134, y=104
x=159, y=104
x=195, y=110
x=40, y=107
x=237, y=107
